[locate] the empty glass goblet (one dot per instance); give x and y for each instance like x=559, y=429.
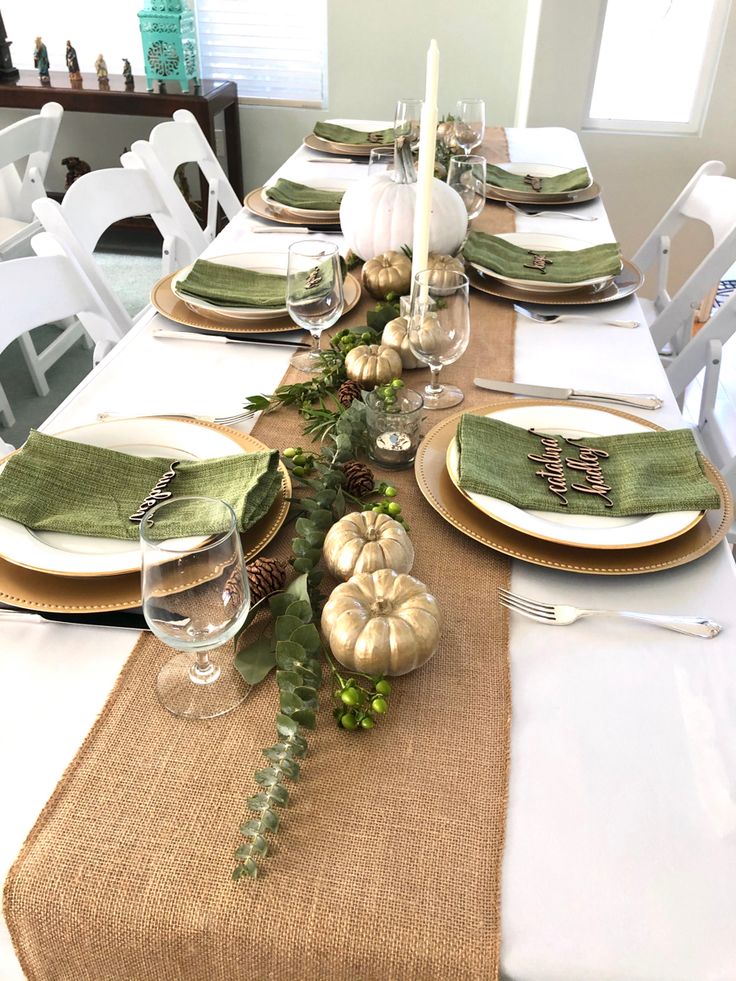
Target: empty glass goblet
x=407, y=119
x=439, y=329
x=470, y=123
x=467, y=175
x=381, y=160
x=195, y=598
x=314, y=295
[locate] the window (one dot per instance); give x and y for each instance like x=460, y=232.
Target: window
x=656, y=64
x=276, y=51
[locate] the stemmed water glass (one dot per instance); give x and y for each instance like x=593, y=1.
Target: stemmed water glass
x=407, y=119
x=314, y=294
x=467, y=175
x=470, y=123
x=439, y=329
x=195, y=598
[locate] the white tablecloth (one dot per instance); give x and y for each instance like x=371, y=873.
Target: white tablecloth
x=620, y=857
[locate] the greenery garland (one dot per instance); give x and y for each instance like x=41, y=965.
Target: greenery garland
x=293, y=646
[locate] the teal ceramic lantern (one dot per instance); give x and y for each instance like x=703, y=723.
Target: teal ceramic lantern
x=169, y=45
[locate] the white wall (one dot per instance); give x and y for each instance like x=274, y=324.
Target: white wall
x=376, y=55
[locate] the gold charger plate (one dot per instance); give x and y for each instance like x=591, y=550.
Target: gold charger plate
x=315, y=142
x=33, y=590
x=257, y=206
x=167, y=303
x=530, y=197
x=628, y=281
x=437, y=487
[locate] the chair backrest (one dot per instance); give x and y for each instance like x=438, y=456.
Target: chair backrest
x=179, y=141
x=708, y=197
x=64, y=294
x=34, y=138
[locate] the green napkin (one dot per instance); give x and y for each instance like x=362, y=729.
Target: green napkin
x=573, y=180
x=302, y=196
x=499, y=256
x=58, y=485
x=229, y=286
x=356, y=137
x=646, y=472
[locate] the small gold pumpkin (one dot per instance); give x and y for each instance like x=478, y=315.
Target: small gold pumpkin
x=387, y=273
x=440, y=266
x=382, y=622
x=395, y=335
x=365, y=542
x=372, y=364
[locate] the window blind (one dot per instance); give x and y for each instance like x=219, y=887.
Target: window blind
x=276, y=51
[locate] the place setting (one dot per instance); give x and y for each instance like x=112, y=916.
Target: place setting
x=536, y=183
x=314, y=206
x=340, y=138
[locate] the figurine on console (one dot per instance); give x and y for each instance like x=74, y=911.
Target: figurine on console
x=103, y=78
x=75, y=168
x=41, y=61
x=128, y=75
x=72, y=63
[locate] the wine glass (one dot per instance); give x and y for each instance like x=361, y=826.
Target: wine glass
x=195, y=598
x=439, y=329
x=381, y=160
x=470, y=123
x=407, y=119
x=314, y=296
x=467, y=176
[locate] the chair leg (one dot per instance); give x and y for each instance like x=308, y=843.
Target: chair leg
x=36, y=371
x=6, y=413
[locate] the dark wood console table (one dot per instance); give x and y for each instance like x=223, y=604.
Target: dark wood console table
x=209, y=99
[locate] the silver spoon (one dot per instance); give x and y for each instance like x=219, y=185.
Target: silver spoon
x=554, y=318
x=553, y=214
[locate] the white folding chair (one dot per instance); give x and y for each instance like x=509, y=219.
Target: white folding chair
x=31, y=139
x=43, y=289
x=180, y=141
x=708, y=197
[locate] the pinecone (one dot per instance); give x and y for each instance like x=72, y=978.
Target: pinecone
x=265, y=576
x=348, y=391
x=359, y=479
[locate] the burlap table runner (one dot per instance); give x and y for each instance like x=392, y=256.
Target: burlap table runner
x=388, y=861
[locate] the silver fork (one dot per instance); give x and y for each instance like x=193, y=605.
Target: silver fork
x=563, y=616
x=554, y=318
x=219, y=420
x=552, y=214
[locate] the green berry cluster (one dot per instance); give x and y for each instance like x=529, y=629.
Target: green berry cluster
x=345, y=340
x=302, y=463
x=357, y=706
x=386, y=505
x=387, y=393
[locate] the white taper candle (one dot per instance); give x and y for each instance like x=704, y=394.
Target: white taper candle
x=425, y=169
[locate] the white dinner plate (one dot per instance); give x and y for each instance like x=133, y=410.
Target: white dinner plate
x=268, y=262
x=85, y=555
x=584, y=530
x=323, y=183
x=540, y=242
x=538, y=170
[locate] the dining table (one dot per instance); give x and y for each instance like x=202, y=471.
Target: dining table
x=620, y=850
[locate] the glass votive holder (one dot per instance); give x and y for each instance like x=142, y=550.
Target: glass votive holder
x=393, y=430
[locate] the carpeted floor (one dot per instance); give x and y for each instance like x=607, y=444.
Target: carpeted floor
x=131, y=276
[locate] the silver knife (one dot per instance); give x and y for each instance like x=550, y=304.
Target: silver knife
x=572, y=394
x=115, y=618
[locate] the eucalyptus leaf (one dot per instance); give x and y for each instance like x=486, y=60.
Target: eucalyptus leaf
x=306, y=718
x=285, y=627
x=252, y=827
x=279, y=795
x=270, y=820
x=277, y=752
x=259, y=845
x=307, y=635
x=298, y=745
x=304, y=525
x=290, y=703
x=288, y=680
x=279, y=603
x=267, y=777
x=306, y=693
x=322, y=518
x=303, y=564
x=290, y=769
x=290, y=655
x=297, y=589
x=284, y=725
x=300, y=546
x=301, y=609
x=255, y=660
x=258, y=802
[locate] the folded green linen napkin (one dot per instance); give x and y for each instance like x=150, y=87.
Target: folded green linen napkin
x=356, y=137
x=295, y=195
x=573, y=180
x=229, y=286
x=499, y=256
x=56, y=484
x=640, y=473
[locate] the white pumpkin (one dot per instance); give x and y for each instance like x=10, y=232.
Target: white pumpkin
x=377, y=214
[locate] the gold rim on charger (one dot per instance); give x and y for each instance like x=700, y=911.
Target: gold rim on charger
x=30, y=589
x=254, y=203
x=440, y=492
x=167, y=303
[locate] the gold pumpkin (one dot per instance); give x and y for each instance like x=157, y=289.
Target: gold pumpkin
x=383, y=622
x=396, y=335
x=365, y=542
x=372, y=364
x=441, y=265
x=387, y=273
